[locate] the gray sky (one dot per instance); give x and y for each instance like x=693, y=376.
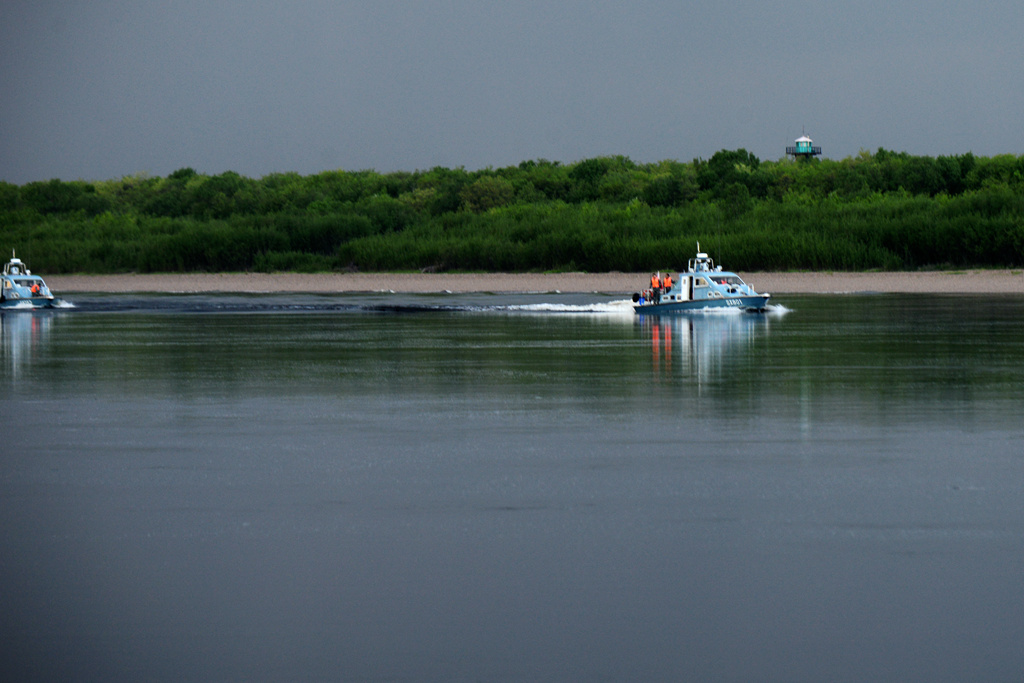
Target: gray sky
x=102, y=89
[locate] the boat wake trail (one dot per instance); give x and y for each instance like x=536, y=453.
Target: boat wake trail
x=623, y=307
x=379, y=304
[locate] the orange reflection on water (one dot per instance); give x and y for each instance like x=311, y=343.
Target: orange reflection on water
x=700, y=344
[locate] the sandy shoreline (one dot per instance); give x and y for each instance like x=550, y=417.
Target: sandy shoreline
x=938, y=282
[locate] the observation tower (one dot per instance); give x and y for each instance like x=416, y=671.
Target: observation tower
x=803, y=149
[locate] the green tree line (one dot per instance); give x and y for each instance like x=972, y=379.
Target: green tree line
x=882, y=210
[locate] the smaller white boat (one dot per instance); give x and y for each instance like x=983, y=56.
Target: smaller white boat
x=19, y=288
x=703, y=285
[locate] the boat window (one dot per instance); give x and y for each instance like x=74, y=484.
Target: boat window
x=700, y=282
x=727, y=280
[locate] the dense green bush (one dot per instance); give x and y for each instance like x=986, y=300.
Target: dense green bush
x=885, y=210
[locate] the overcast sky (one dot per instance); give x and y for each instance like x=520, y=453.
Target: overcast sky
x=102, y=89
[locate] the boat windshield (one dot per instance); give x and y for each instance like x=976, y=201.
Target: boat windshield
x=727, y=279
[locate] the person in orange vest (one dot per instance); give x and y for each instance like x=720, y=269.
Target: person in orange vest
x=667, y=283
x=655, y=287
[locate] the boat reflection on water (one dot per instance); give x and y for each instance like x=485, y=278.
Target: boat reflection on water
x=23, y=335
x=701, y=346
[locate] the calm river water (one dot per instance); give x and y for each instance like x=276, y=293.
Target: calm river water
x=538, y=487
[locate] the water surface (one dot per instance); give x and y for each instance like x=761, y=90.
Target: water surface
x=537, y=487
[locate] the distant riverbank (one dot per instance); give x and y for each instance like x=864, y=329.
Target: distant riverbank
x=937, y=282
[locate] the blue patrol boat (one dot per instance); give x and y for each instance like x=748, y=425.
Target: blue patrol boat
x=19, y=288
x=703, y=285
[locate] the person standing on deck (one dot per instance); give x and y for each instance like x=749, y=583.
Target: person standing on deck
x=656, y=287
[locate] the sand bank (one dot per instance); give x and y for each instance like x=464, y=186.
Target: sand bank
x=968, y=282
